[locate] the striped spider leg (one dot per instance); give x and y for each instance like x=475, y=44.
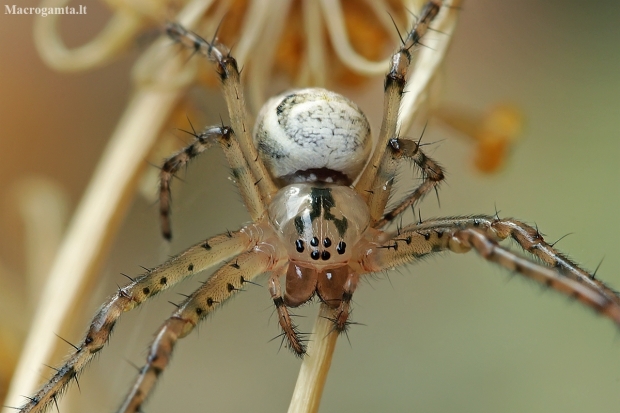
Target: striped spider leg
x=372, y=184
x=195, y=259
x=481, y=233
x=244, y=156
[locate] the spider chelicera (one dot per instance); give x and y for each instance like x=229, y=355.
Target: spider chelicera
x=319, y=209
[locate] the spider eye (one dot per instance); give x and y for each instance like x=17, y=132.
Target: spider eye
x=327, y=243
x=325, y=255
x=341, y=247
x=299, y=245
x=314, y=242
x=315, y=255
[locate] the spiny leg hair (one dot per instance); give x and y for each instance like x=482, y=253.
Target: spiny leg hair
x=461, y=234
x=238, y=165
x=394, y=86
x=343, y=311
x=222, y=285
x=228, y=72
x=195, y=259
x=399, y=149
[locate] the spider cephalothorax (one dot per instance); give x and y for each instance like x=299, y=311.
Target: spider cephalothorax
x=320, y=225
x=318, y=205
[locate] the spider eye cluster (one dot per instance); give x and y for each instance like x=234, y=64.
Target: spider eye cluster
x=322, y=254
x=312, y=135
x=316, y=222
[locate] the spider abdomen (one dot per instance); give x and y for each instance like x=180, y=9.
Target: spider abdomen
x=312, y=135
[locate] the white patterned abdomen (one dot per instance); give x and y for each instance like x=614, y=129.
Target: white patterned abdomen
x=302, y=135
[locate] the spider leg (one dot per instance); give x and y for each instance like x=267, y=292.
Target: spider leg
x=195, y=259
x=239, y=167
x=490, y=250
x=224, y=283
x=461, y=234
x=226, y=67
x=397, y=150
x=288, y=328
x=370, y=184
x=531, y=240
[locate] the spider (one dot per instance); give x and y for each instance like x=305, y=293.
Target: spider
x=321, y=226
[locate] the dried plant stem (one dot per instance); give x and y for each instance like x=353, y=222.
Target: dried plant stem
x=313, y=373
x=115, y=37
x=92, y=228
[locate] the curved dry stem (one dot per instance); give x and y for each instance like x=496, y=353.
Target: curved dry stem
x=119, y=32
x=334, y=18
x=258, y=76
x=313, y=69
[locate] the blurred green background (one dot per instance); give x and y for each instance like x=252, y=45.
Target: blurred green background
x=450, y=334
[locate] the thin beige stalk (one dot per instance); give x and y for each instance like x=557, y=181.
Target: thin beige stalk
x=93, y=226
x=418, y=92
x=115, y=37
x=313, y=373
